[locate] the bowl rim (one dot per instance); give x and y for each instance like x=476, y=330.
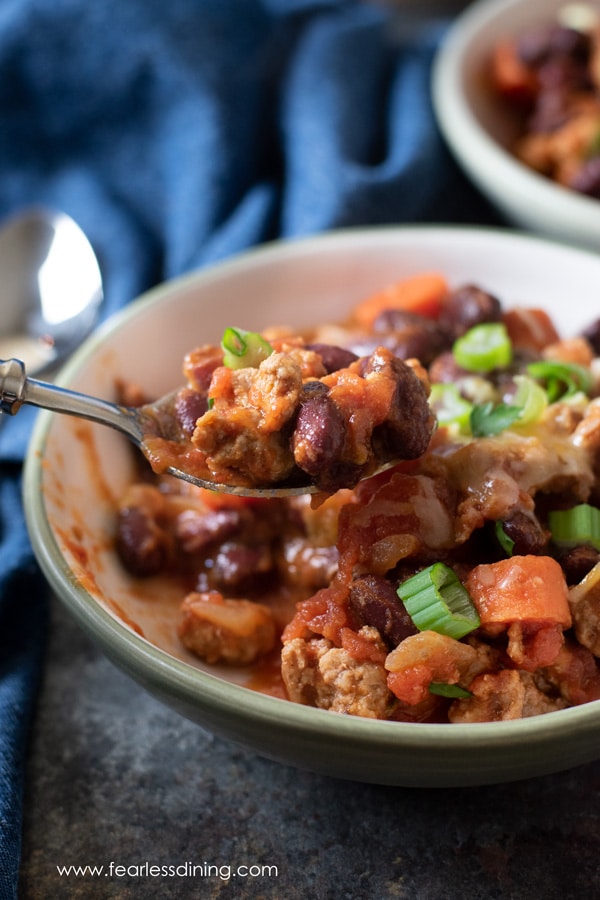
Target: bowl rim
x=169, y=674
x=478, y=152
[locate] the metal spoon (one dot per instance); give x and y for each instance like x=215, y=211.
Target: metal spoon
x=51, y=287
x=136, y=423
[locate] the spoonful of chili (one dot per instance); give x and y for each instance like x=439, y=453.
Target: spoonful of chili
x=275, y=434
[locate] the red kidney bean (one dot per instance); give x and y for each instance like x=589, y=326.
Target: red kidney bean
x=189, y=405
x=445, y=370
x=195, y=530
x=374, y=601
x=333, y=357
x=141, y=543
x=527, y=533
x=466, y=307
x=409, y=424
x=318, y=438
x=237, y=566
x=412, y=336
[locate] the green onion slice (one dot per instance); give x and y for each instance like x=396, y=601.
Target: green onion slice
x=454, y=691
x=242, y=349
x=561, y=379
x=531, y=398
x=503, y=539
x=449, y=406
x=483, y=348
x=436, y=601
x=579, y=525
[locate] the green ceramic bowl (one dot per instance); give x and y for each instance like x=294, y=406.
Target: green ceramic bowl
x=75, y=472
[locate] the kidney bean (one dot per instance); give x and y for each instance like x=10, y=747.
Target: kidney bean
x=189, y=405
x=466, y=307
x=374, y=601
x=237, y=566
x=141, y=542
x=333, y=357
x=195, y=530
x=445, y=370
x=578, y=561
x=409, y=424
x=527, y=533
x=318, y=438
x=412, y=336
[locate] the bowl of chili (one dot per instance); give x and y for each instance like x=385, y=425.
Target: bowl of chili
x=516, y=91
x=480, y=671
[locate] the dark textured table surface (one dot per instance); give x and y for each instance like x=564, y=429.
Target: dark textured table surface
x=116, y=778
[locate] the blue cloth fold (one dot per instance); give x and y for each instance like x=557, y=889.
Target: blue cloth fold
x=176, y=135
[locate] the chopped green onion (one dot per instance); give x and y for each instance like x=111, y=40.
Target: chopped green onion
x=579, y=525
x=561, y=379
x=436, y=601
x=449, y=406
x=483, y=348
x=244, y=349
x=503, y=539
x=531, y=398
x=488, y=419
x=455, y=691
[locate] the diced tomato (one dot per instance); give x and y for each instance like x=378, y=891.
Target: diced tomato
x=427, y=657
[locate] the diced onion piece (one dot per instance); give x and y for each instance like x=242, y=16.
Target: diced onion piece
x=579, y=525
x=483, y=348
x=242, y=349
x=436, y=601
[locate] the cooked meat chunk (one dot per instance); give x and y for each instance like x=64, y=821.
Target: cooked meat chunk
x=508, y=694
x=221, y=630
x=316, y=673
x=244, y=430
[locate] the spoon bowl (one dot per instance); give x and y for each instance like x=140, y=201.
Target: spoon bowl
x=51, y=288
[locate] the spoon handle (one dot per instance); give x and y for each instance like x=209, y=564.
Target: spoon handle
x=16, y=389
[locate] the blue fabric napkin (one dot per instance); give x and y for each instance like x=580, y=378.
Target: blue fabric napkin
x=177, y=134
